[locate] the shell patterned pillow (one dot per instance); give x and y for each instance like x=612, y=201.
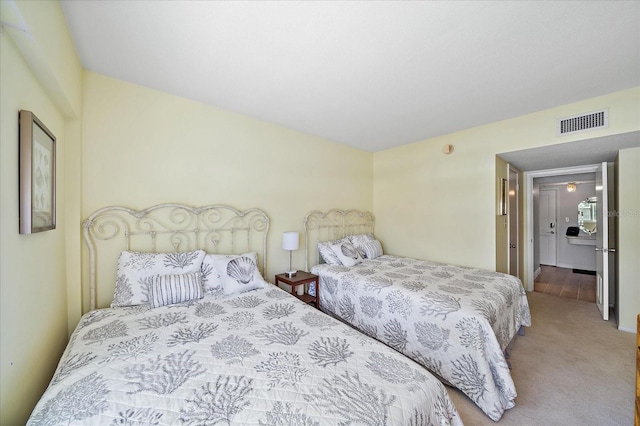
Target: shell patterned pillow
x=347, y=253
x=239, y=273
x=324, y=248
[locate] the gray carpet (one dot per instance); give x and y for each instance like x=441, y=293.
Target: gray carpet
x=570, y=368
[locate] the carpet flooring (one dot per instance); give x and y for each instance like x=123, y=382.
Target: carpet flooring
x=570, y=368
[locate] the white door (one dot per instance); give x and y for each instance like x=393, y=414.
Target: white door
x=602, y=242
x=547, y=227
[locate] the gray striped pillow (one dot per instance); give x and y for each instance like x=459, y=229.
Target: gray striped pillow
x=171, y=289
x=372, y=249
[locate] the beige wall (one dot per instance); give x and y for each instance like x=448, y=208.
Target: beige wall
x=436, y=206
x=143, y=147
x=447, y=202
x=628, y=249
x=33, y=297
x=33, y=287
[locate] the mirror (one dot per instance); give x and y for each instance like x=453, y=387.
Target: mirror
x=587, y=215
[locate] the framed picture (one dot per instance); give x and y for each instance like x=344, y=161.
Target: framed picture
x=503, y=197
x=37, y=175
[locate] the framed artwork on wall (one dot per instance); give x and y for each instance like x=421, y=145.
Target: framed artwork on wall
x=37, y=175
x=502, y=208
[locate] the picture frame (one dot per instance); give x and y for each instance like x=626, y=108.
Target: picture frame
x=502, y=208
x=37, y=175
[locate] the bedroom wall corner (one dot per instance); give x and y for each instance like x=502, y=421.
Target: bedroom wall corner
x=33, y=286
x=38, y=71
x=73, y=219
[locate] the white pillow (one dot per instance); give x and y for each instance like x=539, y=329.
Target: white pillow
x=372, y=249
x=239, y=273
x=324, y=248
x=359, y=240
x=211, y=278
x=347, y=253
x=178, y=288
x=137, y=269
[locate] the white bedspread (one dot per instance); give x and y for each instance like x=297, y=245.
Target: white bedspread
x=260, y=357
x=456, y=321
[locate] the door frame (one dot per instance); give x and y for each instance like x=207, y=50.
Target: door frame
x=514, y=220
x=528, y=208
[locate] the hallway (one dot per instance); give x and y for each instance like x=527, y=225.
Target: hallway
x=564, y=282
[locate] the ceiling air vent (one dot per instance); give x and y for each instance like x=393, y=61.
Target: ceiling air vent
x=580, y=123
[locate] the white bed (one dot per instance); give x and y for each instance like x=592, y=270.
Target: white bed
x=456, y=321
x=227, y=355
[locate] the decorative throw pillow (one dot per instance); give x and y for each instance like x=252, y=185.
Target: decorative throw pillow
x=137, y=269
x=239, y=273
x=372, y=249
x=178, y=288
x=324, y=248
x=211, y=278
x=359, y=240
x=347, y=253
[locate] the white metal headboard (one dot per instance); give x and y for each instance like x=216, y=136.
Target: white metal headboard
x=332, y=225
x=164, y=228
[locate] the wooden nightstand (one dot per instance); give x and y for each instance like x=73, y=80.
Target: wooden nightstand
x=302, y=278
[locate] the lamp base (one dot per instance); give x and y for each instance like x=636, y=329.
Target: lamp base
x=291, y=273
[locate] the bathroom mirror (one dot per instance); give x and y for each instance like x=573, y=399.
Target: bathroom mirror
x=587, y=215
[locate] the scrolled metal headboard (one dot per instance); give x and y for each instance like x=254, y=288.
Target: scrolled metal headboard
x=332, y=225
x=167, y=227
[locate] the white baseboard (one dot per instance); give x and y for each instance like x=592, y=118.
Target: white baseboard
x=537, y=272
x=568, y=266
x=628, y=330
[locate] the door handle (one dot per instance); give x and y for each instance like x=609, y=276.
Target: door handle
x=551, y=232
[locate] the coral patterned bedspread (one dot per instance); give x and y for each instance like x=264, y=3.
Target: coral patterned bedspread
x=454, y=320
x=260, y=357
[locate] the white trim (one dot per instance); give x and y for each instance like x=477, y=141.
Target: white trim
x=528, y=235
x=537, y=273
x=513, y=216
x=628, y=330
x=569, y=266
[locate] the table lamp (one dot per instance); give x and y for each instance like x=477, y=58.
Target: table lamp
x=290, y=242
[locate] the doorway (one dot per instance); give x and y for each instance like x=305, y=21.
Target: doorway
x=532, y=261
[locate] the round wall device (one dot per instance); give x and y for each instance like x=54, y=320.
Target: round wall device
x=447, y=149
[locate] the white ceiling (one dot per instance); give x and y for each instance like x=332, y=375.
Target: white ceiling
x=373, y=75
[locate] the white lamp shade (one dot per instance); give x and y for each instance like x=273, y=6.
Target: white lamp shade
x=290, y=240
